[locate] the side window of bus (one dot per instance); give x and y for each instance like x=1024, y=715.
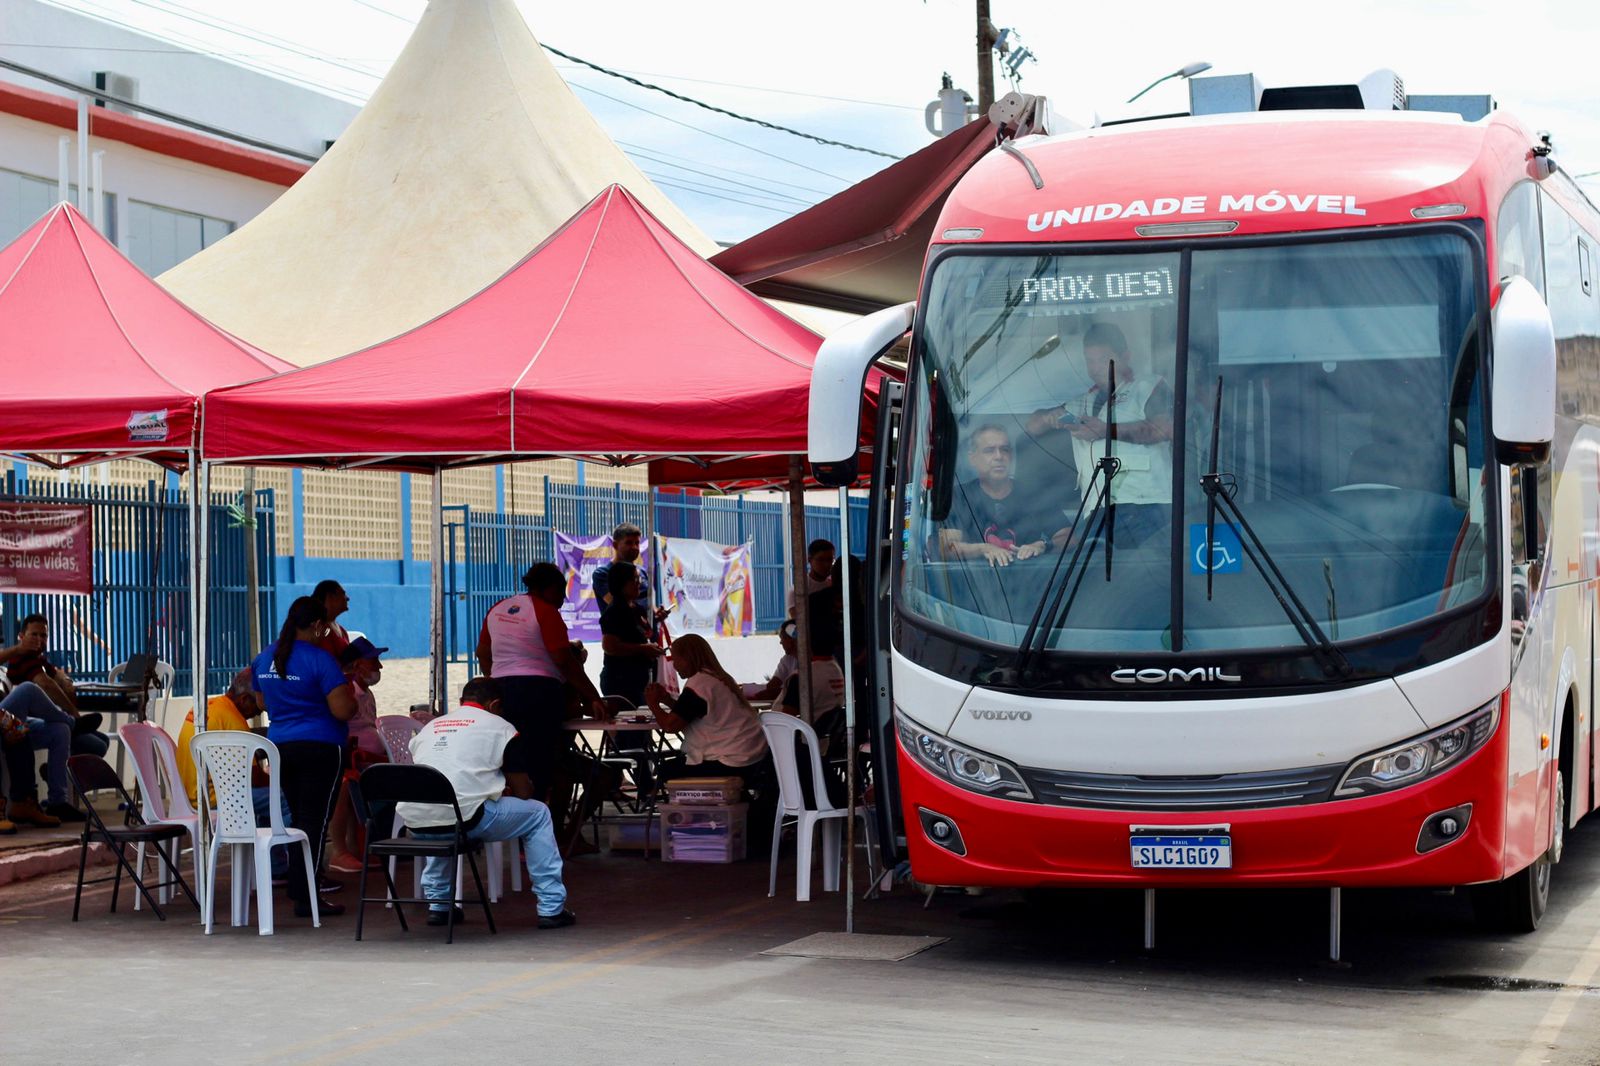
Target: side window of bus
x=1575, y=313
x=1518, y=245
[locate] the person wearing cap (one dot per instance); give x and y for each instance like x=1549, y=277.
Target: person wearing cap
x=363, y=665
x=523, y=646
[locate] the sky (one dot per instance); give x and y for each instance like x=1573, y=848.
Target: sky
x=862, y=72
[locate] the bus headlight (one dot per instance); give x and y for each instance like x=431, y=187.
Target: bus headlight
x=961, y=765
x=1421, y=757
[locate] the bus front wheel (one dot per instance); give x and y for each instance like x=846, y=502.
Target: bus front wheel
x=1517, y=904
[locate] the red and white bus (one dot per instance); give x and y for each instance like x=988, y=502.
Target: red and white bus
x=1333, y=623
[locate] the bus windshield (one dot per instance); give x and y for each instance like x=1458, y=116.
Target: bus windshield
x=1350, y=433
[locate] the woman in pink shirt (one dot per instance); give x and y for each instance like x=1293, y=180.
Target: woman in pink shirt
x=524, y=646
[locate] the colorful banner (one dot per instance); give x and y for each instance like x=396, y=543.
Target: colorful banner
x=578, y=557
x=46, y=547
x=710, y=586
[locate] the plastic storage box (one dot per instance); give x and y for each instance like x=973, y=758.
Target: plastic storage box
x=705, y=791
x=694, y=833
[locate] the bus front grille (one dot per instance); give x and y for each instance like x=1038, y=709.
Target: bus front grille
x=1212, y=792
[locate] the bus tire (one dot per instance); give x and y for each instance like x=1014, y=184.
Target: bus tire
x=1517, y=904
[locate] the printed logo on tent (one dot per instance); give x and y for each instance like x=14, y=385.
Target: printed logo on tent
x=147, y=425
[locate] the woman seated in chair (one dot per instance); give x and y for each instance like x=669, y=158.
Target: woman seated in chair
x=722, y=735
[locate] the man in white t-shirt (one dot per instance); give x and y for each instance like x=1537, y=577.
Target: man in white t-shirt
x=482, y=755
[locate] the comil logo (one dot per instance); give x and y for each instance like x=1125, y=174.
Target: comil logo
x=1153, y=676
x=147, y=425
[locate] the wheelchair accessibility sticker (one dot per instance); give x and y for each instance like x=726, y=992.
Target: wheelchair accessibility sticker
x=1224, y=555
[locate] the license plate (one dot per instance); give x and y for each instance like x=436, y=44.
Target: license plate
x=1208, y=851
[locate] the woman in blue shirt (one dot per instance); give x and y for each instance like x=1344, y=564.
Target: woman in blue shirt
x=309, y=701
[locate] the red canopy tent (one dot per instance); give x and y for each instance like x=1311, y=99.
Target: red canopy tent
x=100, y=361
x=611, y=341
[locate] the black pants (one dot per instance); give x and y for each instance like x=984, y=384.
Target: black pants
x=537, y=707
x=312, y=773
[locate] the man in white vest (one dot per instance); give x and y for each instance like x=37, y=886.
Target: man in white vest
x=1142, y=404
x=482, y=755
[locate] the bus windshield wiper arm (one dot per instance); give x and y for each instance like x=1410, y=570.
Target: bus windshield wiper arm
x=1219, y=489
x=1105, y=469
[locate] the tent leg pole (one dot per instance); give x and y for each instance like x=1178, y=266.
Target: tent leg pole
x=199, y=498
x=438, y=682
x=849, y=717
x=797, y=578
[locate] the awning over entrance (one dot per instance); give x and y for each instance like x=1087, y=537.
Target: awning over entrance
x=863, y=249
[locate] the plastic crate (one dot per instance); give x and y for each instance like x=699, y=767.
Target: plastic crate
x=694, y=833
x=705, y=791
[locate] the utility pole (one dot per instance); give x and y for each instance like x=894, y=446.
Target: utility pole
x=987, y=35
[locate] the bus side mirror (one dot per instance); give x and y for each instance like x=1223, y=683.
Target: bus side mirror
x=1524, y=387
x=838, y=378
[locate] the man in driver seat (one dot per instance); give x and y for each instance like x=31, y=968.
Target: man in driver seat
x=991, y=518
x=1141, y=404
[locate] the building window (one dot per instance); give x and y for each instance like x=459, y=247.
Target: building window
x=24, y=199
x=159, y=238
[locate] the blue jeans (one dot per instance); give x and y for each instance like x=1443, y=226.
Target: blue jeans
x=49, y=729
x=508, y=818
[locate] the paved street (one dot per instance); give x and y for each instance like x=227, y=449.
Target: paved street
x=665, y=965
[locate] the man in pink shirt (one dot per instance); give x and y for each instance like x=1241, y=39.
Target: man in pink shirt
x=524, y=647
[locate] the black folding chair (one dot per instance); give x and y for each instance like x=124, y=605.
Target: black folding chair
x=390, y=783
x=91, y=773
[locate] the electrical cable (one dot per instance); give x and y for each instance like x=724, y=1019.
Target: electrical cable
x=97, y=11
x=708, y=133
x=712, y=190
x=732, y=170
x=731, y=199
x=647, y=157
x=709, y=107
x=166, y=7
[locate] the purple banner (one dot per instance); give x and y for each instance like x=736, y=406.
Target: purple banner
x=578, y=557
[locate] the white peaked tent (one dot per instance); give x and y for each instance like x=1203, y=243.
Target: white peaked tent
x=471, y=152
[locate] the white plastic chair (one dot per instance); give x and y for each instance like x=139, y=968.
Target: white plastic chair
x=781, y=730
x=396, y=732
x=223, y=760
x=164, y=676
x=162, y=796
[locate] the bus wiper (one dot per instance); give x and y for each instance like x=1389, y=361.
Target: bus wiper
x=1105, y=469
x=1219, y=489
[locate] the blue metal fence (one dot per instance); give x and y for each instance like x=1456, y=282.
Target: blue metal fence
x=141, y=582
x=493, y=549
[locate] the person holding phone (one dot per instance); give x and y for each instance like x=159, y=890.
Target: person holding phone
x=991, y=519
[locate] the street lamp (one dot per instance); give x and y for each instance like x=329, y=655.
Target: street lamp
x=1182, y=72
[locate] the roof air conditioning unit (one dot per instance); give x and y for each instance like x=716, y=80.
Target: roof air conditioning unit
x=120, y=86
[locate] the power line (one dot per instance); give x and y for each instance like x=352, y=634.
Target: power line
x=648, y=157
x=709, y=107
x=166, y=7
x=731, y=199
x=97, y=11
x=717, y=190
x=383, y=11
x=708, y=133
x=731, y=170
x=780, y=92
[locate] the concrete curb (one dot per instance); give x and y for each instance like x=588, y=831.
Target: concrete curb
x=26, y=863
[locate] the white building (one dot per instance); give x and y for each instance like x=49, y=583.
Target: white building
x=169, y=190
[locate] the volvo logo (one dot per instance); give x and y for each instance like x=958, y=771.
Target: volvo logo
x=1153, y=676
x=1002, y=716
